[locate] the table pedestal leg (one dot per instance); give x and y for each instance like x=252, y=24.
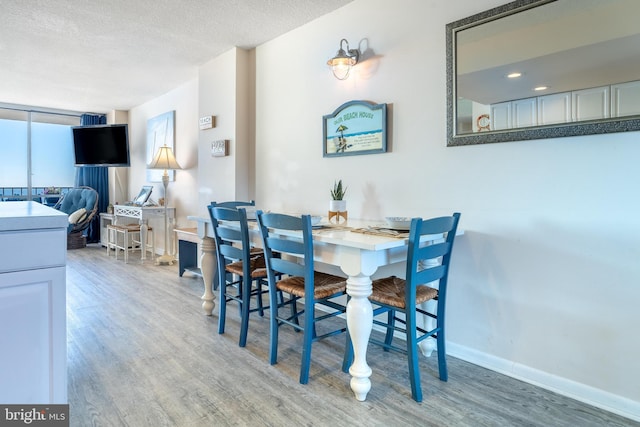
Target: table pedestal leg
x=360, y=322
x=208, y=267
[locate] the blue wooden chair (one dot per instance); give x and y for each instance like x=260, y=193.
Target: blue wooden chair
x=236, y=260
x=392, y=295
x=234, y=204
x=293, y=260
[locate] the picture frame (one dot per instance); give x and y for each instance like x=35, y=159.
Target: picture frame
x=143, y=195
x=220, y=148
x=355, y=127
x=160, y=131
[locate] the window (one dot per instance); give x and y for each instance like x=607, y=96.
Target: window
x=37, y=154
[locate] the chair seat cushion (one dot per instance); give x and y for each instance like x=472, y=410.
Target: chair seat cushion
x=391, y=291
x=77, y=216
x=257, y=267
x=325, y=285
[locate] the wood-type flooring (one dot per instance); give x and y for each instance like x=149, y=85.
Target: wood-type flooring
x=142, y=353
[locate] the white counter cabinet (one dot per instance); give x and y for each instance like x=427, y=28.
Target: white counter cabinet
x=33, y=336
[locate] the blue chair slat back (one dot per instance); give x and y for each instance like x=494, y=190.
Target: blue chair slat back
x=301, y=263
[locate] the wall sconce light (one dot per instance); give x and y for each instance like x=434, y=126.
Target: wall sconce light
x=343, y=61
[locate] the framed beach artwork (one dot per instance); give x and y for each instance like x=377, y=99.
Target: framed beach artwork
x=355, y=127
x=160, y=131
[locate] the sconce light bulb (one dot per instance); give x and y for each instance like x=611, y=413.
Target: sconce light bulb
x=343, y=61
x=341, y=67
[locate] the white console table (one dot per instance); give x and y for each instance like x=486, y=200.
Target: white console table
x=33, y=328
x=142, y=214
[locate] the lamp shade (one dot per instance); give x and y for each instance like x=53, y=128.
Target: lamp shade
x=164, y=159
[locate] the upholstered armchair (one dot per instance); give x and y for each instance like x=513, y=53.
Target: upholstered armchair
x=81, y=204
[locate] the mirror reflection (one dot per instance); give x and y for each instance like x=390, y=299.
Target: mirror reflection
x=545, y=64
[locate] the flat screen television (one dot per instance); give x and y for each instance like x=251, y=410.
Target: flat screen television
x=101, y=145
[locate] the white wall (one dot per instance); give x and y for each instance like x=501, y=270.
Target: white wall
x=224, y=83
x=545, y=281
x=223, y=88
x=184, y=100
x=544, y=284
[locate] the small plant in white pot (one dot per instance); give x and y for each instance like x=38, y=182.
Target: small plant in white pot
x=337, y=202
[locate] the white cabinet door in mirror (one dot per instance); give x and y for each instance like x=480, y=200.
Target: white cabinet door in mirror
x=625, y=99
x=590, y=104
x=501, y=116
x=554, y=108
x=524, y=113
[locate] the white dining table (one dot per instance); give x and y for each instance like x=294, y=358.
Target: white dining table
x=358, y=255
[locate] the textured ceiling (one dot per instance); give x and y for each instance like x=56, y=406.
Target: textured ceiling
x=100, y=56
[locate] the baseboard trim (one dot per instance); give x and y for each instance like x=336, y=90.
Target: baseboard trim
x=581, y=392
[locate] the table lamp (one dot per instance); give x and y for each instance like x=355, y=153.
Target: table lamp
x=164, y=159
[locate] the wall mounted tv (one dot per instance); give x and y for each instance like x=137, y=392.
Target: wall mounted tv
x=101, y=145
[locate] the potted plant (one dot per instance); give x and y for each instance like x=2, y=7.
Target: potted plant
x=337, y=203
